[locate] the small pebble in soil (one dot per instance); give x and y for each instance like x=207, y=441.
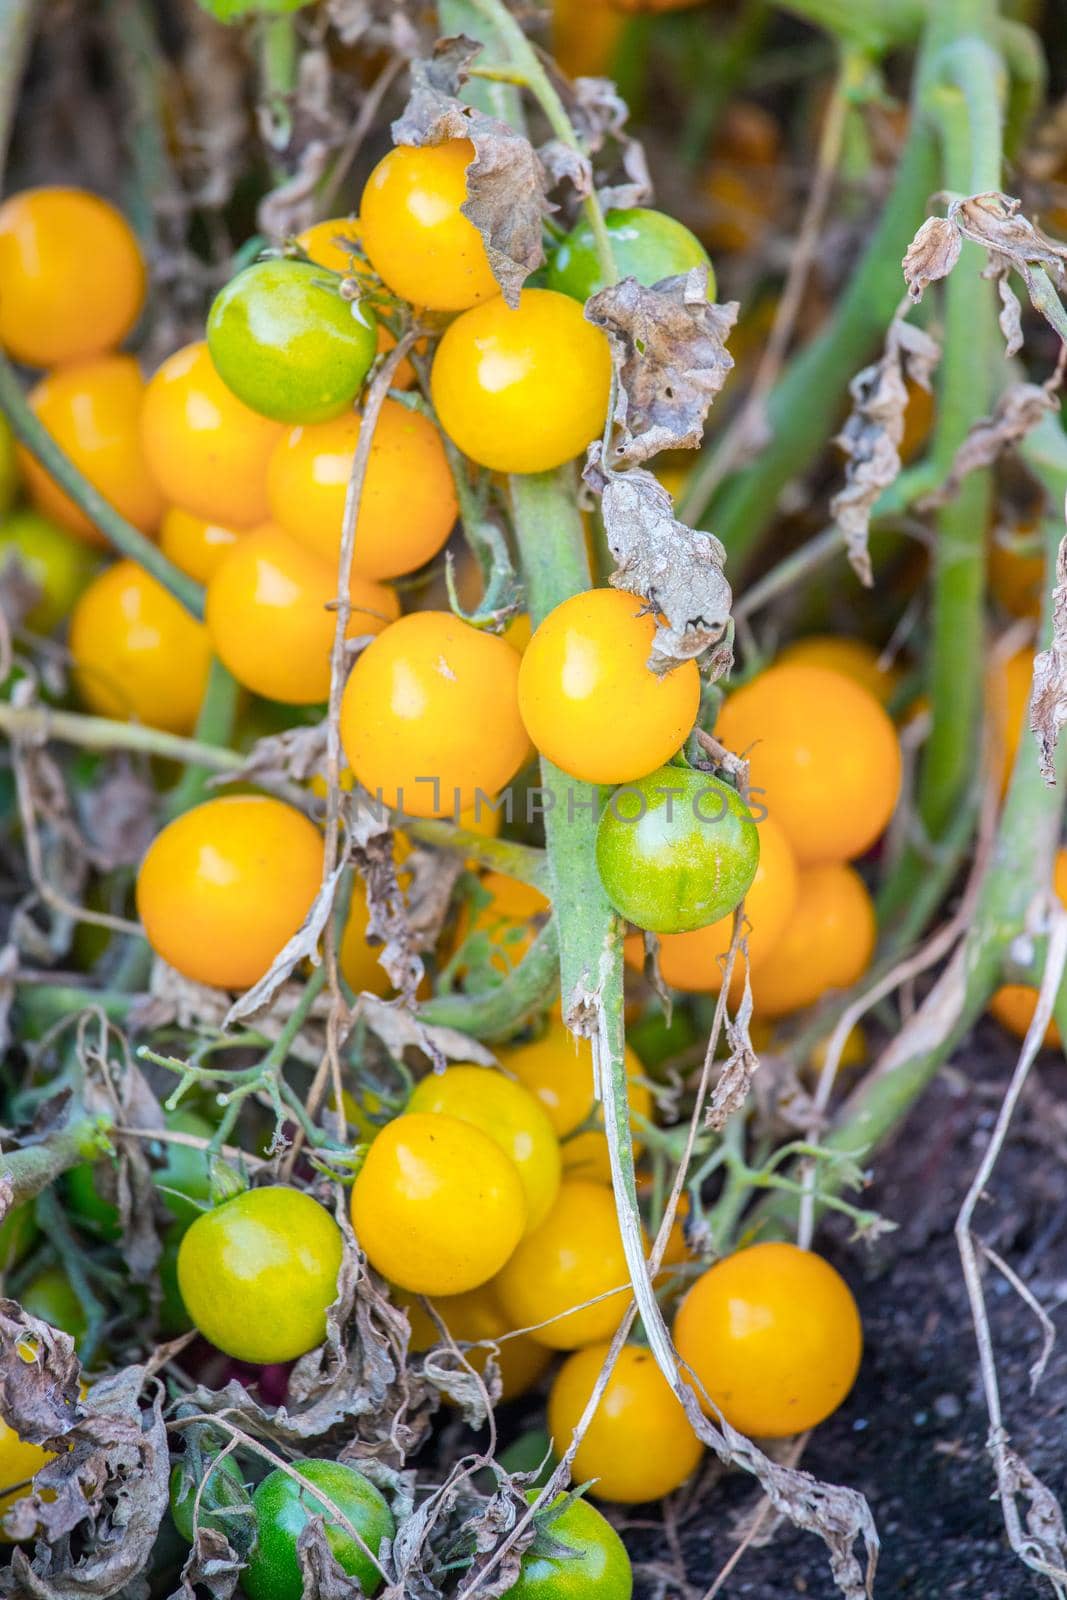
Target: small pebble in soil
x=947, y=1407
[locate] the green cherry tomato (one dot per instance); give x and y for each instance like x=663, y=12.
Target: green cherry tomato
x=51, y=1296
x=286, y=343
x=55, y=562
x=676, y=850
x=282, y=1510
x=185, y=1178
x=223, y=1489
x=17, y=1233
x=597, y=1567
x=88, y=1202
x=9, y=469
x=647, y=245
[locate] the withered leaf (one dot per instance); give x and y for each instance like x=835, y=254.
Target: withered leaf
x=931, y=255
x=457, y=1517
x=735, y=1079
x=292, y=206
x=212, y=1563
x=600, y=115
x=303, y=946
x=677, y=570
x=39, y=1376
x=872, y=435
x=119, y=814
x=1048, y=697
x=19, y=592
x=371, y=848
x=399, y=1030
x=506, y=198
x=322, y=1576
x=669, y=351
x=115, y=1087
x=1018, y=409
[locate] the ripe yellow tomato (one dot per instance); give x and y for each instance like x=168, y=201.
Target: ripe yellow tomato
x=358, y=960
x=774, y=1336
x=510, y=922
x=258, y=1273
x=640, y=1444
x=433, y=699
x=853, y=658
x=1017, y=571
x=331, y=244
x=437, y=1206
x=414, y=231
x=523, y=390
x=207, y=450
x=824, y=758
x=827, y=943
x=586, y=662
x=585, y=36
x=268, y=619
x=477, y=1315
x=691, y=961
x=408, y=506
x=512, y=1118
x=73, y=276
x=574, y=1256
x=137, y=653
x=93, y=412
x=1007, y=691
x=196, y=544
x=20, y=1459
x=223, y=887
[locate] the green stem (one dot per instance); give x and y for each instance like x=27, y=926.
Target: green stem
x=38, y=723
x=16, y=33
x=127, y=539
x=214, y=726
x=873, y=25
x=500, y=1012
x=279, y=59
x=37, y=1165
x=522, y=861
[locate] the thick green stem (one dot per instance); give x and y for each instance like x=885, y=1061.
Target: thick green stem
x=498, y=1013
x=874, y=25
x=16, y=32
x=214, y=726
x=101, y=733
x=32, y=1169
x=127, y=539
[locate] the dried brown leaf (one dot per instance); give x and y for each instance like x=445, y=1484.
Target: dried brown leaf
x=119, y=814
x=431, y=879
x=1048, y=697
x=668, y=345
x=19, y=592
x=506, y=198
x=371, y=848
x=1018, y=409
x=735, y=1079
x=600, y=115
x=322, y=1575
x=212, y=1564
x=303, y=946
x=292, y=206
x=676, y=569
x=399, y=1030
x=931, y=255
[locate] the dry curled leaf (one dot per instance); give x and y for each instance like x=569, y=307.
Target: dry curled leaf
x=115, y=1088
x=506, y=198
x=668, y=345
x=457, y=1518
x=1018, y=409
x=303, y=946
x=371, y=849
x=1048, y=697
x=600, y=115
x=735, y=1079
x=676, y=569
x=322, y=1575
x=931, y=255
x=871, y=437
x=399, y=1030
x=212, y=1564
x=293, y=206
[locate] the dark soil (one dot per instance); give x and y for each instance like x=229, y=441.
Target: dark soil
x=912, y=1434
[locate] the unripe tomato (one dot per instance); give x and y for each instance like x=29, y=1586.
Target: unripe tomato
x=594, y=1567
x=224, y=886
x=512, y=1118
x=574, y=1256
x=286, y=342
x=774, y=1336
x=852, y=658
x=523, y=390
x=223, y=1487
x=283, y=1509
x=433, y=698
x=17, y=1233
x=646, y=245
x=52, y=1297
x=137, y=653
x=823, y=757
x=207, y=451
x=72, y=273
x=414, y=231
x=477, y=1316
x=20, y=1460
x=268, y=619
x=676, y=850
x=640, y=1444
x=693, y=961
x=408, y=506
x=196, y=544
x=588, y=698
x=437, y=1206
x=93, y=412
x=510, y=922
x=59, y=566
x=827, y=943
x=258, y=1274
x=332, y=244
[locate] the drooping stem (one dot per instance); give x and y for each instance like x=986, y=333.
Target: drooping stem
x=214, y=726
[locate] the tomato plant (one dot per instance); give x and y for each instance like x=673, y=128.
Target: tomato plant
x=334, y=244
x=478, y=1316
x=646, y=245
x=283, y=1507
x=222, y=1489
x=581, y=1557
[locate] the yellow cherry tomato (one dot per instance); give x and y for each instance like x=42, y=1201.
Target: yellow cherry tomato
x=693, y=961
x=1017, y=570
x=853, y=658
x=640, y=1444
x=854, y=1052
x=575, y=1256
x=477, y=1316
x=223, y=887
x=196, y=544
x=588, y=698
x=207, y=450
x=827, y=943
x=268, y=617
x=72, y=276
x=773, y=1334
x=824, y=758
x=510, y=922
x=138, y=654
x=408, y=506
x=585, y=36
x=333, y=244
x=1007, y=690
x=523, y=390
x=437, y=1206
x=20, y=1460
x=433, y=699
x=512, y=1118
x=414, y=231
x=93, y=411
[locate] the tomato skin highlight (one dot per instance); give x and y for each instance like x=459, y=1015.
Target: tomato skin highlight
x=282, y=1510
x=598, y=1565
x=647, y=245
x=676, y=850
x=258, y=1273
